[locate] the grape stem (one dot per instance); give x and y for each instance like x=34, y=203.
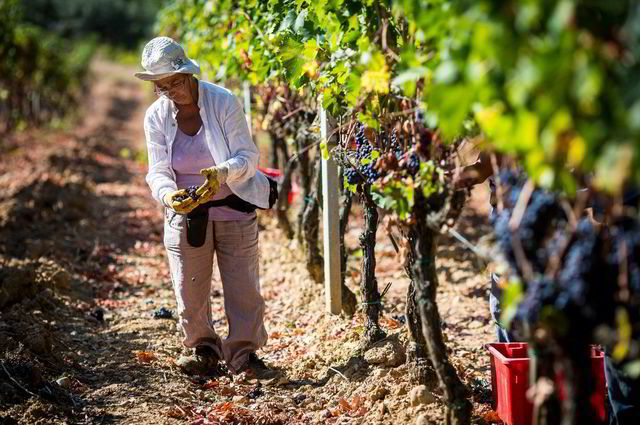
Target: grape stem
x=521, y=205
x=290, y=114
x=556, y=260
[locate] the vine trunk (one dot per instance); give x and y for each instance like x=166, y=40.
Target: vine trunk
x=368, y=283
x=424, y=269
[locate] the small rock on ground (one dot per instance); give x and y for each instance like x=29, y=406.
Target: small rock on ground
x=386, y=353
x=419, y=395
x=423, y=420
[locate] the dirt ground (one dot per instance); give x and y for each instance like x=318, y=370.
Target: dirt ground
x=83, y=268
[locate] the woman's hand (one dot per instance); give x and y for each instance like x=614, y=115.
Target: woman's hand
x=215, y=177
x=185, y=206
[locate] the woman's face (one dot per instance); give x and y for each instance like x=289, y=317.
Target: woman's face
x=176, y=87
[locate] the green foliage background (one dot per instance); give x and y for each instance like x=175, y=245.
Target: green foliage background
x=122, y=23
x=46, y=48
x=553, y=82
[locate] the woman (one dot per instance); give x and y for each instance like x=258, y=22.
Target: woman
x=196, y=131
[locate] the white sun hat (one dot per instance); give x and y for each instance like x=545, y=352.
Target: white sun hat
x=163, y=57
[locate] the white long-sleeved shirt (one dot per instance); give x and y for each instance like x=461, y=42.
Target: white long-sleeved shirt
x=227, y=137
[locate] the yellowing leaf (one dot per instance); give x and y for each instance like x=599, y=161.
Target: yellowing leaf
x=310, y=49
x=324, y=149
x=613, y=167
x=577, y=150
x=527, y=129
x=310, y=68
x=376, y=78
x=489, y=116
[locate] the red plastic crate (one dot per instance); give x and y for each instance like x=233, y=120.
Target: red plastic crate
x=510, y=381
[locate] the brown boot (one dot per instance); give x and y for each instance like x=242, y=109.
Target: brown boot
x=204, y=361
x=254, y=367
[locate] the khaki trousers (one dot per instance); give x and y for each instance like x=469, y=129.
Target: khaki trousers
x=235, y=244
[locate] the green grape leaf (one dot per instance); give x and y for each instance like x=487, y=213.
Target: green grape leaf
x=324, y=149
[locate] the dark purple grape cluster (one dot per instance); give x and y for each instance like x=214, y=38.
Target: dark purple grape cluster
x=367, y=170
x=191, y=193
x=364, y=151
x=352, y=176
x=413, y=164
x=585, y=289
x=361, y=140
x=395, y=146
x=538, y=228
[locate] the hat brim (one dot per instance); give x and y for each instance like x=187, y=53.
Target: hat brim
x=191, y=67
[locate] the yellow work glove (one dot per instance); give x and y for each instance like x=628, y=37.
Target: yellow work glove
x=180, y=201
x=215, y=177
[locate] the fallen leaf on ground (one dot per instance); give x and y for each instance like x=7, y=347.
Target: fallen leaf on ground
x=211, y=384
x=344, y=404
x=145, y=356
x=390, y=323
x=492, y=417
x=176, y=412
x=223, y=407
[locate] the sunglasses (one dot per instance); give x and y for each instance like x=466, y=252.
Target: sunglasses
x=174, y=85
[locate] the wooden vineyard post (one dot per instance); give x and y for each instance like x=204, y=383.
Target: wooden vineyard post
x=330, y=221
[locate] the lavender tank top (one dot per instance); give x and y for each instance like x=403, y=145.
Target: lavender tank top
x=190, y=155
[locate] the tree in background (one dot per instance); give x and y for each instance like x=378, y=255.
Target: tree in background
x=120, y=23
x=47, y=45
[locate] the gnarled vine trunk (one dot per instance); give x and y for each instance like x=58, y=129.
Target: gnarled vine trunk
x=305, y=173
x=310, y=227
x=420, y=368
x=578, y=385
x=278, y=145
x=368, y=283
x=458, y=406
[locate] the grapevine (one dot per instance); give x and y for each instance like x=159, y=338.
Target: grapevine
x=533, y=80
x=585, y=300
x=415, y=161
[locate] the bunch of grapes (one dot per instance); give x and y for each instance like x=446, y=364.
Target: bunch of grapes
x=352, y=176
x=391, y=155
x=538, y=229
x=364, y=171
x=395, y=147
x=190, y=193
x=401, y=147
x=585, y=288
x=361, y=140
x=410, y=160
x=413, y=164
x=364, y=152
